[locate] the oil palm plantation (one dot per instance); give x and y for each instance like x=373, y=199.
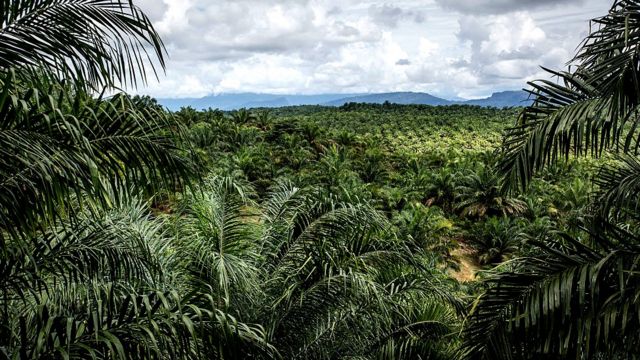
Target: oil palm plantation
x=578, y=297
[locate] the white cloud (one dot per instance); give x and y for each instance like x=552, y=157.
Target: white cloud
x=508, y=47
x=270, y=73
x=501, y=6
x=361, y=67
x=316, y=46
x=390, y=15
x=427, y=47
x=154, y=9
x=221, y=30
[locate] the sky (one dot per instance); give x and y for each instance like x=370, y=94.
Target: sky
x=449, y=48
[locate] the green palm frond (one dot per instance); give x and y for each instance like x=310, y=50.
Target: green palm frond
x=479, y=194
x=320, y=236
x=87, y=290
x=619, y=185
x=306, y=318
x=56, y=146
x=610, y=55
x=572, y=301
x=100, y=43
x=322, y=278
x=283, y=202
x=590, y=109
x=53, y=280
x=418, y=332
x=111, y=247
x=233, y=187
x=152, y=325
x=220, y=235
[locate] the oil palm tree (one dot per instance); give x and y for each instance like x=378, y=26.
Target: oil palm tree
x=569, y=301
x=243, y=116
x=479, y=195
x=61, y=146
x=78, y=281
x=575, y=299
x=57, y=140
x=588, y=110
x=320, y=278
x=495, y=240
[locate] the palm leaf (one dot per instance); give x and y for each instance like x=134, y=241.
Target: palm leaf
x=219, y=235
x=568, y=302
x=93, y=42
x=619, y=186
x=54, y=148
x=589, y=110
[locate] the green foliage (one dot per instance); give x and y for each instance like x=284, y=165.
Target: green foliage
x=319, y=276
x=576, y=297
x=618, y=188
x=93, y=287
x=95, y=43
x=82, y=272
x=59, y=145
x=496, y=239
x=570, y=301
x=479, y=195
x=589, y=110
x=425, y=227
x=444, y=213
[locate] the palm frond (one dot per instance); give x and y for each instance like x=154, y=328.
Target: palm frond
x=109, y=247
x=573, y=301
x=590, y=109
x=574, y=128
x=323, y=233
x=56, y=146
x=220, y=237
x=418, y=332
x=619, y=186
x=118, y=326
x=100, y=43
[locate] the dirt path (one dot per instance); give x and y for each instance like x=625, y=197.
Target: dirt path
x=468, y=266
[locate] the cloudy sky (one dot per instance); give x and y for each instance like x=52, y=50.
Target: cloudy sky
x=450, y=48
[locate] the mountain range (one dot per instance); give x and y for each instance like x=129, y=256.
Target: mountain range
x=253, y=100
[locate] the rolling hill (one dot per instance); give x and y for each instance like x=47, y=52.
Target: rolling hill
x=253, y=100
x=503, y=99
x=403, y=98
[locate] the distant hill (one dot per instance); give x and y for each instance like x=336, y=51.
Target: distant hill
x=503, y=99
x=249, y=100
x=271, y=103
x=253, y=100
x=403, y=98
